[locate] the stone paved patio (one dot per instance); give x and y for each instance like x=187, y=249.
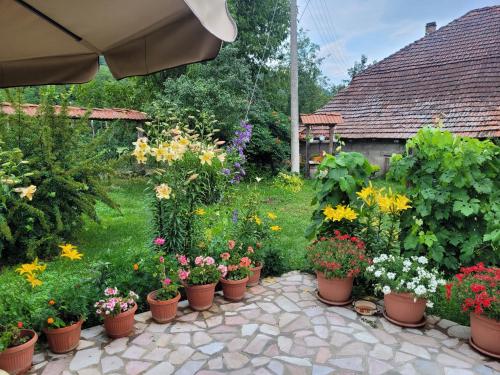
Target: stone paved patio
x=280, y=328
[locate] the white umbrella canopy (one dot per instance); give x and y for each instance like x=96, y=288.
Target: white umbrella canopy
x=60, y=41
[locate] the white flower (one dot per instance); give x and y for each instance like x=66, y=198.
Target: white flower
x=419, y=290
x=407, y=263
x=430, y=304
x=406, y=269
x=378, y=273
x=422, y=260
x=386, y=289
x=391, y=275
x=370, y=268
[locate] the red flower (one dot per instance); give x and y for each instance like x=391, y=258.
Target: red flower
x=448, y=290
x=19, y=324
x=459, y=276
x=476, y=288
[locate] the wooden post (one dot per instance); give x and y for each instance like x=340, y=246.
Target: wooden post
x=331, y=136
x=308, y=166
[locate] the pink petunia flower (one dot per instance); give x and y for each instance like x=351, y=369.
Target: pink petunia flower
x=167, y=281
x=162, y=260
x=198, y=261
x=183, y=260
x=209, y=261
x=223, y=270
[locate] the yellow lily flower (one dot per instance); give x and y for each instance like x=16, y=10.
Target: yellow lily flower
x=26, y=192
x=200, y=212
x=275, y=228
x=71, y=252
x=271, y=216
x=207, y=157
x=163, y=191
x=33, y=280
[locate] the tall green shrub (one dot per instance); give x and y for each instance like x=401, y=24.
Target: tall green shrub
x=65, y=169
x=338, y=179
x=454, y=188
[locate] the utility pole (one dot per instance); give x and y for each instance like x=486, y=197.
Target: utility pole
x=294, y=88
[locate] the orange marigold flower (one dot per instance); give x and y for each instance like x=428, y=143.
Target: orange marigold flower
x=52, y=302
x=50, y=320
x=136, y=266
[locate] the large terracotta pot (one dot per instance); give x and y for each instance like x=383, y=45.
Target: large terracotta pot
x=402, y=308
x=120, y=325
x=234, y=290
x=163, y=311
x=18, y=359
x=63, y=340
x=200, y=297
x=254, y=277
x=334, y=290
x=485, y=333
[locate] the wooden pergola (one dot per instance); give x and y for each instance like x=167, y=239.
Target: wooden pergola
x=319, y=124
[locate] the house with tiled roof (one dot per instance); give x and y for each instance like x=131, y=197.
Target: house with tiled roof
x=451, y=74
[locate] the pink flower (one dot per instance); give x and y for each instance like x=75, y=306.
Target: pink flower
x=209, y=261
x=110, y=291
x=225, y=256
x=231, y=244
x=159, y=241
x=167, y=281
x=223, y=270
x=250, y=250
x=245, y=262
x=162, y=260
x=183, y=260
x=183, y=275
x=198, y=261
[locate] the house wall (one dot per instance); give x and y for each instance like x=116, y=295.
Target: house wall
x=376, y=151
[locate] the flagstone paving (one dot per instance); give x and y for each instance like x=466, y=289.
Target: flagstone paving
x=280, y=328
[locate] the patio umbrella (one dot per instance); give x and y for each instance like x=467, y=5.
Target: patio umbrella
x=60, y=41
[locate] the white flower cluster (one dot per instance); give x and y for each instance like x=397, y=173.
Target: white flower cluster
x=410, y=275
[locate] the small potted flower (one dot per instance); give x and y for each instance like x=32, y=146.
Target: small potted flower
x=163, y=301
x=118, y=312
x=477, y=289
x=337, y=261
x=256, y=265
x=235, y=271
x=62, y=320
x=17, y=346
x=199, y=279
x=406, y=284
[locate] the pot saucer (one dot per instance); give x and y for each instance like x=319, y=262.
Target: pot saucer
x=407, y=325
x=331, y=303
x=481, y=350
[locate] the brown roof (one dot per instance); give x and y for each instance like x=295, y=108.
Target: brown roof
x=105, y=114
x=452, y=73
x=321, y=119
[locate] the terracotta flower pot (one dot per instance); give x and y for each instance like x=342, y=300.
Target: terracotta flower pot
x=63, y=340
x=254, y=278
x=485, y=333
x=402, y=308
x=234, y=290
x=120, y=325
x=163, y=311
x=334, y=290
x=200, y=297
x=18, y=359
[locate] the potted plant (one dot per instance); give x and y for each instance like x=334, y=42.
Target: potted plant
x=406, y=283
x=17, y=346
x=256, y=263
x=199, y=279
x=163, y=301
x=477, y=290
x=62, y=320
x=234, y=272
x=118, y=312
x=337, y=261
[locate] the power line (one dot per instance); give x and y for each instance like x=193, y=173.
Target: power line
x=308, y=1
x=331, y=25
x=260, y=65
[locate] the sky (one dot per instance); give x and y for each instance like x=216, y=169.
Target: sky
x=346, y=29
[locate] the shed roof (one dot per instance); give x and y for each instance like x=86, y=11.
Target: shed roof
x=104, y=114
x=452, y=73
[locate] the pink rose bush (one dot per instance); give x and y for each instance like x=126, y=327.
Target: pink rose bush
x=115, y=303
x=235, y=263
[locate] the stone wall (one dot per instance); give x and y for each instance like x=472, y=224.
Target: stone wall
x=377, y=151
